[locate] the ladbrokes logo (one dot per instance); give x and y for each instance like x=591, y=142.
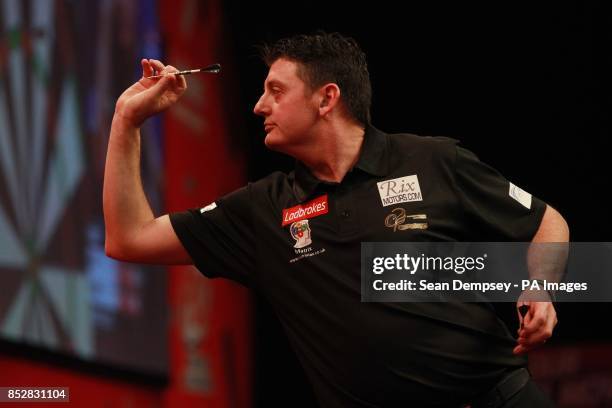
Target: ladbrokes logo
x=311, y=209
x=399, y=190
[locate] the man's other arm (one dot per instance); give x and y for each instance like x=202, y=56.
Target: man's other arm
x=539, y=322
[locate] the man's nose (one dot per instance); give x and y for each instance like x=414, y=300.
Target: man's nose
x=260, y=107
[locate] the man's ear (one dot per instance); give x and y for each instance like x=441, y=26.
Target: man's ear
x=330, y=96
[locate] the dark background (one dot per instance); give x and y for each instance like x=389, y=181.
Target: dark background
x=524, y=85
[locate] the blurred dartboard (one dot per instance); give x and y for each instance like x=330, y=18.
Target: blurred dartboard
x=57, y=289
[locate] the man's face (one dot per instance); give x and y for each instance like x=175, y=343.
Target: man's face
x=289, y=109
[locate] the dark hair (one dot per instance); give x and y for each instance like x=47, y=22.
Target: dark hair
x=328, y=57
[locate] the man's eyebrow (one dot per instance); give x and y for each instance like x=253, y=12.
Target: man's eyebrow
x=273, y=83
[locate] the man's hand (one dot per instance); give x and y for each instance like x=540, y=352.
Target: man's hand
x=150, y=96
x=536, y=326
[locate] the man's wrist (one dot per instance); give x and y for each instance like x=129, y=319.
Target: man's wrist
x=551, y=293
x=123, y=122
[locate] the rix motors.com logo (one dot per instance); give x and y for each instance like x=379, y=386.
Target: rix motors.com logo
x=400, y=190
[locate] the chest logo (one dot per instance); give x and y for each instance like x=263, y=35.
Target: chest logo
x=400, y=190
x=398, y=217
x=300, y=232
x=311, y=209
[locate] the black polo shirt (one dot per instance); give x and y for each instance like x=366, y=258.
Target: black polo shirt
x=297, y=240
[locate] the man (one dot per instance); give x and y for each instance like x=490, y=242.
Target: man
x=296, y=238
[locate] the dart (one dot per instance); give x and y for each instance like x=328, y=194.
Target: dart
x=211, y=69
x=523, y=309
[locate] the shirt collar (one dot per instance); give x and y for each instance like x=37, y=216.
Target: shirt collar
x=374, y=152
x=373, y=159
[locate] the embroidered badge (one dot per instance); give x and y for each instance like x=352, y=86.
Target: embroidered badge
x=302, y=235
x=400, y=190
x=520, y=195
x=397, y=220
x=300, y=231
x=209, y=207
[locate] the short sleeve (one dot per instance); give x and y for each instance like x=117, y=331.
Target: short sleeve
x=219, y=237
x=496, y=209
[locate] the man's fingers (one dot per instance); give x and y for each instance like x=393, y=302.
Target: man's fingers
x=147, y=69
x=536, y=318
x=531, y=326
x=539, y=327
x=176, y=83
x=526, y=347
x=182, y=82
x=520, y=349
x=540, y=336
x=160, y=69
x=157, y=65
x=168, y=88
x=535, y=339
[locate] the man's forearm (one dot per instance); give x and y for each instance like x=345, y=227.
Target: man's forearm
x=126, y=208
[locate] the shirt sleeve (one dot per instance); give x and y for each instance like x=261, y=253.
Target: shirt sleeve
x=219, y=237
x=496, y=209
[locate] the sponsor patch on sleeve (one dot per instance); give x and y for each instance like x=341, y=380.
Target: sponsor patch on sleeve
x=520, y=195
x=209, y=207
